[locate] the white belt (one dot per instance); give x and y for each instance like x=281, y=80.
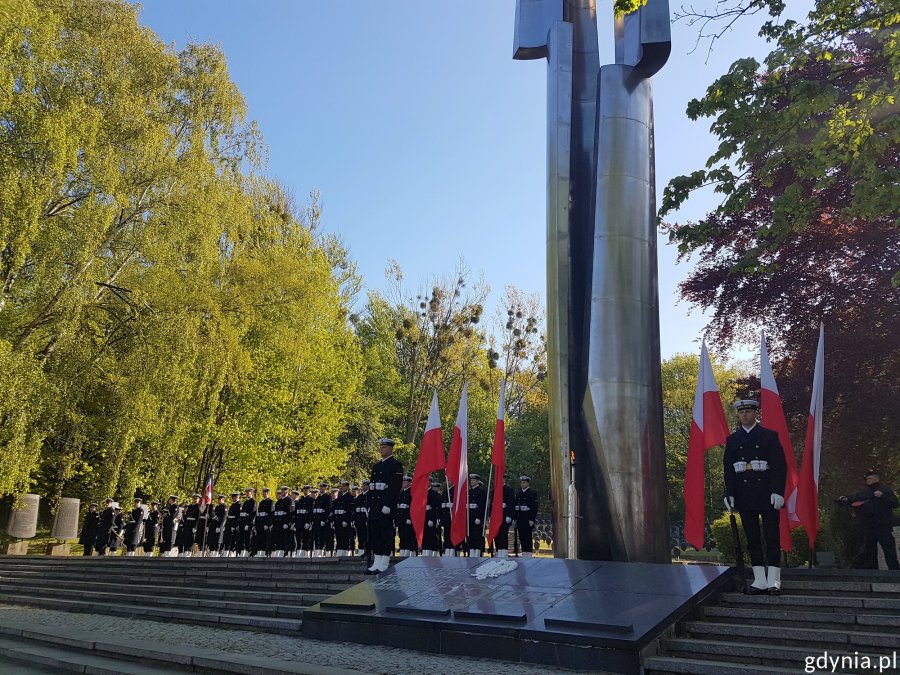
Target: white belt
x=280, y=513
x=402, y=506
x=473, y=506
x=186, y=519
x=303, y=511
x=262, y=513
x=230, y=517
x=754, y=465
x=446, y=505
x=381, y=486
x=318, y=510
x=244, y=515
x=340, y=512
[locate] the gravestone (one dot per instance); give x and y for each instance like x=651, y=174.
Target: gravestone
x=65, y=525
x=22, y=524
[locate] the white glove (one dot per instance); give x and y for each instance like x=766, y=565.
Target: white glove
x=729, y=503
x=477, y=522
x=307, y=526
x=344, y=524
x=246, y=528
x=321, y=523
x=430, y=523
x=530, y=523
x=777, y=501
x=284, y=527
x=508, y=520
x=218, y=529
x=386, y=510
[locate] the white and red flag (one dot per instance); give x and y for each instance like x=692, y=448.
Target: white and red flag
x=208, y=490
x=431, y=458
x=458, y=473
x=808, y=489
x=498, y=459
x=773, y=416
x=709, y=428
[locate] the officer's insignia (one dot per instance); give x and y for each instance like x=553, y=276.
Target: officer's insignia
x=494, y=568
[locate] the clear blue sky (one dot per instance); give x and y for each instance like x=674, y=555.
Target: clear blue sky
x=426, y=139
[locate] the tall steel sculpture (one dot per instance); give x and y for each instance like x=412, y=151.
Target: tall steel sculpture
x=606, y=429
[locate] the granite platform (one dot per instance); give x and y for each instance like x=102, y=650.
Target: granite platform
x=570, y=613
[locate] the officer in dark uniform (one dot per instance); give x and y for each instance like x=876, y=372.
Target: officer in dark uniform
x=107, y=519
x=874, y=507
x=151, y=528
x=188, y=529
x=384, y=488
x=477, y=503
x=406, y=533
x=215, y=530
x=169, y=527
x=501, y=541
x=134, y=528
x=88, y=536
x=282, y=520
x=431, y=537
x=755, y=472
x=526, y=514
x=232, y=538
x=303, y=523
x=293, y=539
x=343, y=520
x=321, y=516
x=245, y=524
x=361, y=520
x=447, y=521
x=263, y=526
x=118, y=529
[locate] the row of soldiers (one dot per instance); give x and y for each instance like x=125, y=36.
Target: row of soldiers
x=314, y=522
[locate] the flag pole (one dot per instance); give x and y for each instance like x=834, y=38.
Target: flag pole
x=487, y=500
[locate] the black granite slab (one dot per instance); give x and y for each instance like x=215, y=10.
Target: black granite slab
x=575, y=614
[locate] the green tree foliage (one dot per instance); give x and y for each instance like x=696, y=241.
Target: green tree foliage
x=679, y=382
x=165, y=310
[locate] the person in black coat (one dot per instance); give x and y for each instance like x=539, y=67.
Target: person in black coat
x=230, y=542
x=320, y=520
x=384, y=488
x=431, y=537
x=501, y=541
x=755, y=472
x=104, y=531
x=215, y=527
x=343, y=520
x=262, y=531
x=526, y=514
x=134, y=528
x=188, y=529
x=171, y=518
x=477, y=504
x=282, y=522
x=118, y=529
x=303, y=522
x=88, y=536
x=406, y=533
x=151, y=528
x=874, y=507
x=361, y=520
x=245, y=524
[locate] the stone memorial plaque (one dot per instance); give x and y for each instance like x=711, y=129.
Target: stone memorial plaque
x=23, y=520
x=65, y=525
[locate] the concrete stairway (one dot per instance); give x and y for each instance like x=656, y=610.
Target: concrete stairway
x=267, y=594
x=851, y=613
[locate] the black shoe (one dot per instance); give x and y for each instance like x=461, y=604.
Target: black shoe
x=753, y=590
x=371, y=572
x=774, y=591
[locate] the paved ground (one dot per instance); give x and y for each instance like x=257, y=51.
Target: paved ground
x=365, y=658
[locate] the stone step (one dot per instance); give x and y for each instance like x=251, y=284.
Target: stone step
x=881, y=589
x=69, y=643
x=802, y=573
x=283, y=626
x=816, y=603
x=665, y=665
x=156, y=561
x=72, y=662
x=224, y=604
x=819, y=639
x=156, y=576
x=747, y=653
x=805, y=619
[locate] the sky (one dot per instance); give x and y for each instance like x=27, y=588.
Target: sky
x=427, y=140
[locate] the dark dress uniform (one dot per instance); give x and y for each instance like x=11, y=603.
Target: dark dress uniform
x=134, y=529
x=303, y=519
x=501, y=542
x=263, y=527
x=282, y=522
x=343, y=521
x=88, y=536
x=406, y=533
x=447, y=520
x=477, y=503
x=151, y=530
x=214, y=530
x=170, y=518
x=361, y=520
x=526, y=513
x=384, y=488
x=752, y=488
x=202, y=526
x=245, y=524
x=232, y=537
x=876, y=520
x=185, y=538
x=320, y=517
x=117, y=529
x=104, y=531
x=431, y=536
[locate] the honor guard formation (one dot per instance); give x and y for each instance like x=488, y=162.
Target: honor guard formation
x=371, y=520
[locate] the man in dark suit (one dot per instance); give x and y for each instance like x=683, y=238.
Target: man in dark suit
x=755, y=471
x=526, y=514
x=384, y=488
x=88, y=536
x=874, y=507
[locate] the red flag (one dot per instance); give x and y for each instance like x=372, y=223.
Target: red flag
x=498, y=459
x=708, y=429
x=808, y=488
x=773, y=416
x=208, y=491
x=431, y=458
x=458, y=473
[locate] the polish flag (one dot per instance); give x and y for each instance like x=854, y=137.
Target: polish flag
x=808, y=489
x=431, y=458
x=498, y=459
x=458, y=473
x=773, y=416
x=208, y=491
x=708, y=429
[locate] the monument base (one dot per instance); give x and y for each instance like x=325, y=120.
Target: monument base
x=15, y=548
x=59, y=549
x=568, y=613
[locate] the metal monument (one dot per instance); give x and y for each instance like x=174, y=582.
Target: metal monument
x=606, y=428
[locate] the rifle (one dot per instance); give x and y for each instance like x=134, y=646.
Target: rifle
x=738, y=550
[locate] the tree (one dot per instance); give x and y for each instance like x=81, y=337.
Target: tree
x=809, y=170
